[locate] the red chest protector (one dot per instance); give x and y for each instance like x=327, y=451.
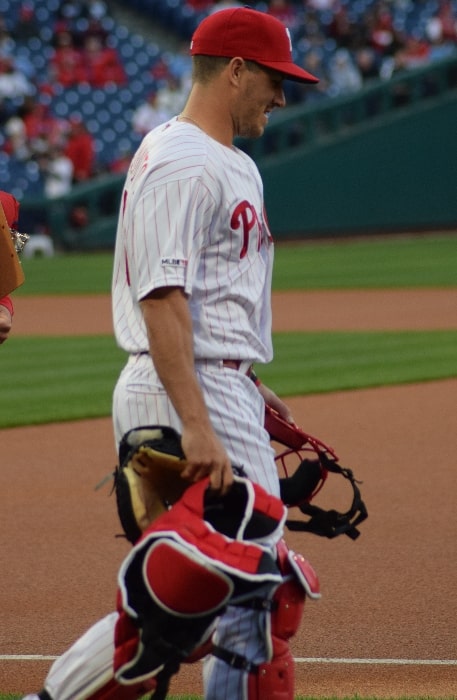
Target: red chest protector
x=183, y=572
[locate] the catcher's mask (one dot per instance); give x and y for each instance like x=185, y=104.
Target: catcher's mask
x=315, y=461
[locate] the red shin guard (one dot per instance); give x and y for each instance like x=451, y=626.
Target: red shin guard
x=275, y=678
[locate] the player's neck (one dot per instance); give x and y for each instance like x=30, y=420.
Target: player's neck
x=208, y=115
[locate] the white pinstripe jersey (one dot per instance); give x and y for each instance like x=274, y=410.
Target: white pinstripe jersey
x=192, y=215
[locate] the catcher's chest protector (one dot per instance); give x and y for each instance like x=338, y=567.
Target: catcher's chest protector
x=182, y=574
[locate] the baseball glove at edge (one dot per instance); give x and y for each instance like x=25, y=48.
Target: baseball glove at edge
x=148, y=478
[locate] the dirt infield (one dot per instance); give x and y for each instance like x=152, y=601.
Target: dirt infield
x=385, y=626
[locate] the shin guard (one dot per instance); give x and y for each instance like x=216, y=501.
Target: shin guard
x=274, y=679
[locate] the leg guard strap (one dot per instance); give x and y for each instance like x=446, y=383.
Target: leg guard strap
x=234, y=660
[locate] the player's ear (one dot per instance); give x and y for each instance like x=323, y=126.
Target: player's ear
x=237, y=67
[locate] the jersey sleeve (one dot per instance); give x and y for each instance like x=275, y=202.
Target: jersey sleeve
x=169, y=224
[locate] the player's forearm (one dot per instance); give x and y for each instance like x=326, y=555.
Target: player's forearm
x=170, y=336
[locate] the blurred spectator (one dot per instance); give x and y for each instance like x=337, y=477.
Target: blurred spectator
x=161, y=71
x=66, y=65
x=102, y=63
x=383, y=35
x=42, y=126
x=440, y=47
x=344, y=75
x=413, y=54
x=171, y=97
x=367, y=62
x=25, y=66
x=314, y=63
x=17, y=142
x=285, y=11
x=342, y=28
x=57, y=170
x=80, y=149
x=148, y=115
x=13, y=83
x=26, y=26
x=447, y=16
x=310, y=33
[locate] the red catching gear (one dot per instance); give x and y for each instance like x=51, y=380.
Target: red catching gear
x=185, y=570
x=274, y=679
x=181, y=588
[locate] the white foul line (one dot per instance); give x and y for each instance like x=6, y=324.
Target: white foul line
x=299, y=660
x=26, y=657
x=387, y=662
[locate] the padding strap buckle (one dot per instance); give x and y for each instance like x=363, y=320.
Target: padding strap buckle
x=234, y=660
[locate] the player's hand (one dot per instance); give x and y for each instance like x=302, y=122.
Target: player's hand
x=275, y=402
x=5, y=323
x=206, y=456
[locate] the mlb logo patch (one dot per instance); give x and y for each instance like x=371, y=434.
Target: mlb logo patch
x=173, y=262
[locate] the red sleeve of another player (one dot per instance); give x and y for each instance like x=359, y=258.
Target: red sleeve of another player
x=7, y=303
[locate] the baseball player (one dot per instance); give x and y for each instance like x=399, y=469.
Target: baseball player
x=10, y=207
x=191, y=306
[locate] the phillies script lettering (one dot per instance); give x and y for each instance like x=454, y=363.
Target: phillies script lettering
x=246, y=216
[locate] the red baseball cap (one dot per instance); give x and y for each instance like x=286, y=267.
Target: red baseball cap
x=10, y=207
x=252, y=35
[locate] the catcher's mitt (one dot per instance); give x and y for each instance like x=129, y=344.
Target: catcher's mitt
x=147, y=480
x=11, y=244
x=299, y=489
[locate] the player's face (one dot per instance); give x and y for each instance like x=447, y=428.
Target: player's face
x=262, y=91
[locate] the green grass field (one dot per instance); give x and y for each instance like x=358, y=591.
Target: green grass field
x=51, y=379
x=380, y=263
